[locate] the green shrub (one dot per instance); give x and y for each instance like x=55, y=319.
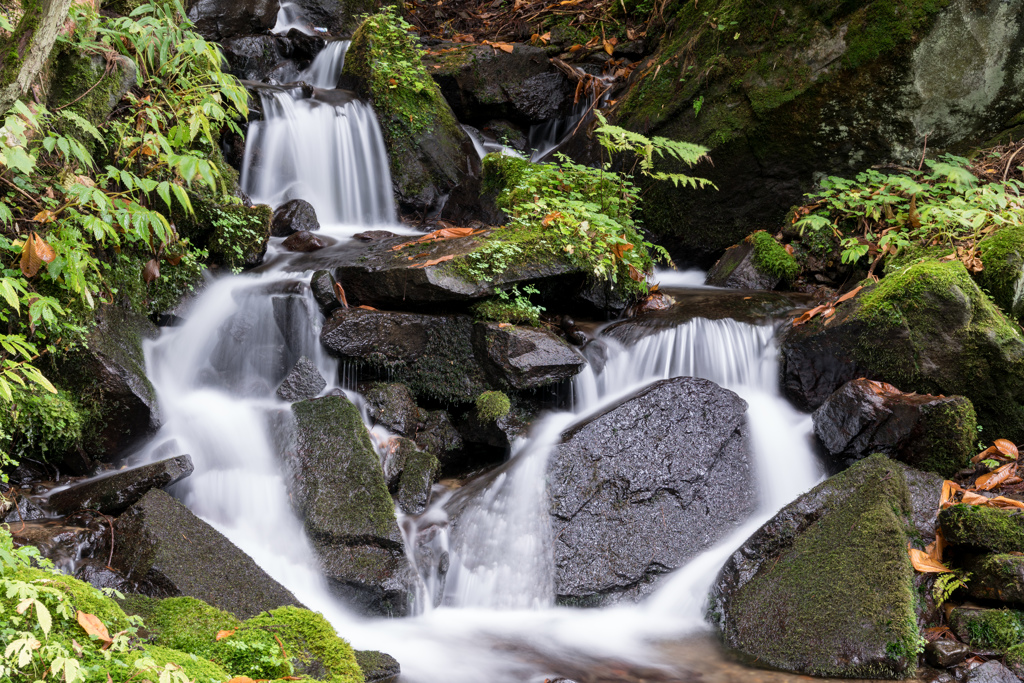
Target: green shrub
x=510, y=307
x=492, y=405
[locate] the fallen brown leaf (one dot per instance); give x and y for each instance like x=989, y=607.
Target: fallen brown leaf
x=924, y=563
x=93, y=626
x=989, y=481
x=34, y=253
x=1006, y=447
x=221, y=635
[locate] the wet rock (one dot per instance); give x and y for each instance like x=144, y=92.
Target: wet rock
x=63, y=542
x=339, y=17
x=949, y=339
x=646, y=485
x=293, y=216
x=1002, y=255
x=339, y=488
x=499, y=433
x=304, y=242
x=737, y=270
x=991, y=672
x=945, y=653
x=378, y=667
x=167, y=551
x=382, y=276
x=931, y=433
x=789, y=600
x=925, y=489
x=110, y=373
x=221, y=19
x=431, y=354
x=322, y=284
x=96, y=573
x=419, y=471
x=394, y=454
x=112, y=493
x=482, y=84
x=253, y=58
x=524, y=357
x=26, y=510
x=985, y=628
x=992, y=529
x=435, y=170
x=302, y=382
x=996, y=577
x=394, y=406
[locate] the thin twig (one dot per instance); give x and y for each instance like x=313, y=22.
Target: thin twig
x=923, y=151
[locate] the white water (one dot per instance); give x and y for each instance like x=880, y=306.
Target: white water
x=326, y=68
x=216, y=374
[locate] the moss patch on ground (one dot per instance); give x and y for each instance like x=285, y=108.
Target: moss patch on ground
x=771, y=258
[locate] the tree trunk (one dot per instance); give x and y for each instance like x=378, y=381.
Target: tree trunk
x=25, y=51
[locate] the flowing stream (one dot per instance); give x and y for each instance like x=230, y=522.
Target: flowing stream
x=492, y=618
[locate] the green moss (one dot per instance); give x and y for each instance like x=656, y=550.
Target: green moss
x=501, y=172
x=989, y=628
x=39, y=425
x=14, y=47
x=1000, y=531
x=197, y=669
x=491, y=405
x=82, y=84
x=311, y=642
x=883, y=24
x=1002, y=255
x=949, y=431
x=1014, y=658
x=188, y=624
x=447, y=371
x=82, y=596
x=914, y=253
x=772, y=259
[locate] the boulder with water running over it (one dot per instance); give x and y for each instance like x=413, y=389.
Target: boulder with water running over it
x=645, y=486
x=338, y=486
x=167, y=551
x=112, y=493
x=220, y=19
x=293, y=216
x=825, y=588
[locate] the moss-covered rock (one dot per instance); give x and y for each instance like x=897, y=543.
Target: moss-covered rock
x=775, y=79
x=42, y=426
x=491, y=405
x=434, y=166
x=90, y=87
x=927, y=328
x=1000, y=629
x=992, y=529
x=758, y=262
x=234, y=235
x=996, y=577
x=1002, y=255
x=339, y=487
x=825, y=587
x=419, y=470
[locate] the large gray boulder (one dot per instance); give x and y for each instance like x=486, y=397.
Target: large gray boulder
x=338, y=486
x=167, y=552
x=112, y=493
x=645, y=486
x=524, y=357
x=221, y=19
x=825, y=588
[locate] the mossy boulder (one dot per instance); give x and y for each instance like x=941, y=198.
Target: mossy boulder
x=774, y=83
x=758, y=262
x=1002, y=255
x=434, y=166
x=926, y=328
x=167, y=551
x=985, y=528
x=996, y=577
x=419, y=471
x=338, y=486
x=90, y=87
x=825, y=588
x=998, y=629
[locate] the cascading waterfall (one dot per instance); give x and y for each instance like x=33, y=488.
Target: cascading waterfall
x=325, y=70
x=215, y=378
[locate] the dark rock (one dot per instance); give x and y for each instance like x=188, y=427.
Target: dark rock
x=253, y=58
x=789, y=600
x=96, y=573
x=498, y=433
x=439, y=435
x=322, y=285
x=378, y=667
x=339, y=487
x=304, y=242
x=524, y=357
x=63, y=542
x=221, y=19
x=394, y=406
x=304, y=381
x=996, y=577
x=26, y=510
x=293, y=216
x=482, y=84
x=374, y=235
x=112, y=493
x=419, y=470
x=431, y=354
x=992, y=529
x=925, y=490
x=991, y=672
x=383, y=277
x=931, y=433
x=167, y=551
x=394, y=454
x=110, y=373
x=736, y=270
x=948, y=339
x=945, y=653
x=646, y=485
x=339, y=17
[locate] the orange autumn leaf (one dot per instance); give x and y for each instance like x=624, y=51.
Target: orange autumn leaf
x=985, y=454
x=434, y=262
x=987, y=482
x=553, y=216
x=1005, y=503
x=936, y=547
x=339, y=294
x=949, y=491
x=972, y=498
x=636, y=276
x=91, y=624
x=221, y=635
x=924, y=563
x=44, y=216
x=34, y=253
x=808, y=315
x=882, y=388
x=241, y=679
x=1006, y=447
x=463, y=38
x=620, y=249
x=849, y=295
x=366, y=308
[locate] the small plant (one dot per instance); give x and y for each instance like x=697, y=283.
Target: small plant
x=492, y=405
x=947, y=584
x=698, y=104
x=512, y=307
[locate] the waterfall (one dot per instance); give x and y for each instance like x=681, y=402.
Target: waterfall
x=325, y=70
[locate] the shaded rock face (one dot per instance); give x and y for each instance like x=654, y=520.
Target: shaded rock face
x=927, y=432
x=991, y=672
x=640, y=489
x=524, y=358
x=337, y=16
x=293, y=216
x=322, y=284
x=111, y=371
x=481, y=83
x=304, y=242
x=90, y=87
x=378, y=667
x=394, y=406
x=220, y=19
x=788, y=599
x=112, y=494
x=339, y=489
x=302, y=381
x=736, y=270
x=996, y=577
x=983, y=528
x=947, y=338
x=778, y=112
x=150, y=552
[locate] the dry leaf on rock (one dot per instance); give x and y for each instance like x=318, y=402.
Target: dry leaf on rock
x=924, y=563
x=93, y=626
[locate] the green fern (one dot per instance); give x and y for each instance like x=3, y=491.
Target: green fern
x=947, y=584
